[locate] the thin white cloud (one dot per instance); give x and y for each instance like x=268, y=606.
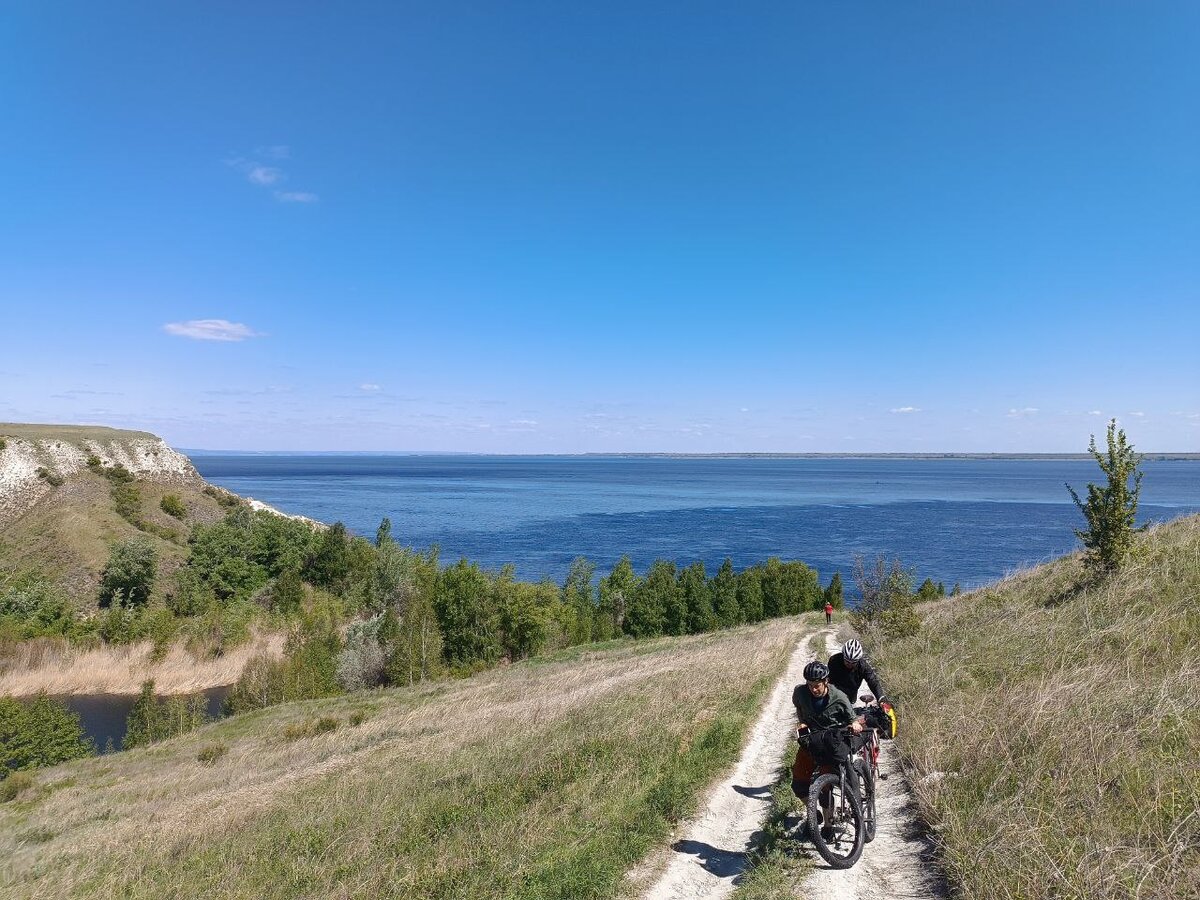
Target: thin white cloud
x=1095, y=412
x=211, y=330
x=906, y=409
x=1139, y=414
x=264, y=175
x=1026, y=411
x=369, y=387
x=296, y=197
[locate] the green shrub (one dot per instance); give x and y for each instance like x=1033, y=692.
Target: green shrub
x=326, y=724
x=1111, y=510
x=51, y=478
x=173, y=506
x=155, y=719
x=127, y=500
x=3, y=444
x=128, y=578
x=308, y=669
x=42, y=732
x=357, y=718
x=14, y=785
x=887, y=599
x=94, y=462
x=210, y=753
x=224, y=498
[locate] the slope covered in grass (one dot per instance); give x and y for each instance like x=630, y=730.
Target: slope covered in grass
x=1053, y=726
x=549, y=778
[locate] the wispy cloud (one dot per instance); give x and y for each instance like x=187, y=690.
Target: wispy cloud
x=1139, y=414
x=1095, y=412
x=1019, y=413
x=263, y=175
x=906, y=409
x=369, y=387
x=260, y=170
x=296, y=197
x=211, y=330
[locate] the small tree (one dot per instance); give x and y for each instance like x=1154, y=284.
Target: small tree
x=835, y=593
x=1111, y=510
x=129, y=575
x=887, y=598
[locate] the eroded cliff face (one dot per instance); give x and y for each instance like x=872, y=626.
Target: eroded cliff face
x=29, y=462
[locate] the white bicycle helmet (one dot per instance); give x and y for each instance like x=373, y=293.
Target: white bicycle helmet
x=852, y=651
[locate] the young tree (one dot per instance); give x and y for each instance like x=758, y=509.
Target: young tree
x=750, y=594
x=887, y=598
x=647, y=613
x=39, y=733
x=462, y=600
x=724, y=594
x=616, y=594
x=697, y=598
x=1111, y=509
x=129, y=576
x=578, y=595
x=835, y=593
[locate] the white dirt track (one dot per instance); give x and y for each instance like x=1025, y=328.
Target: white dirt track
x=712, y=850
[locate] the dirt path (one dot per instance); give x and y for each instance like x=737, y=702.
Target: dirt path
x=713, y=849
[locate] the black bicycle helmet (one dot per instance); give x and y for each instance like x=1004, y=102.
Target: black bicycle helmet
x=816, y=671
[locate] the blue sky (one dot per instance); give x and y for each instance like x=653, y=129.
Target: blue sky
x=562, y=227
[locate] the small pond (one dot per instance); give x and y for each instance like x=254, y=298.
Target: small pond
x=103, y=716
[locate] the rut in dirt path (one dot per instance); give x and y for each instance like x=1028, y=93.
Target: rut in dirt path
x=712, y=849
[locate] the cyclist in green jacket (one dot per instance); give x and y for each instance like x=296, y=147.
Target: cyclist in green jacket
x=819, y=706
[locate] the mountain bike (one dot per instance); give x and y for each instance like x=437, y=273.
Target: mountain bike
x=841, y=804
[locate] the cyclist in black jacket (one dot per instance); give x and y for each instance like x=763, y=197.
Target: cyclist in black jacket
x=848, y=669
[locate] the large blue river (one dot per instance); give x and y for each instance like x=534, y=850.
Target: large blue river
x=955, y=520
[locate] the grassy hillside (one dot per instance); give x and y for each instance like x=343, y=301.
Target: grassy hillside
x=1053, y=727
x=548, y=778
x=66, y=530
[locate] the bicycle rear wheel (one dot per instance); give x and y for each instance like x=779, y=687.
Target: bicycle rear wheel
x=866, y=777
x=842, y=843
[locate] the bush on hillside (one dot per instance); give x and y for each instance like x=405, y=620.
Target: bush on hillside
x=173, y=506
x=37, y=733
x=128, y=578
x=1111, y=509
x=363, y=662
x=51, y=478
x=307, y=670
x=887, y=598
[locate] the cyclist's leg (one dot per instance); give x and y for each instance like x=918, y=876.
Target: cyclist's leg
x=802, y=773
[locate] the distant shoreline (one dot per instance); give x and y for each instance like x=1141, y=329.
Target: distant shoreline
x=977, y=456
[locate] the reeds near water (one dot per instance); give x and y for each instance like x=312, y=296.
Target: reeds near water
x=57, y=667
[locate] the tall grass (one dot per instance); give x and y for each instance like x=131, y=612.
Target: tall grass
x=542, y=779
x=1052, y=725
x=55, y=666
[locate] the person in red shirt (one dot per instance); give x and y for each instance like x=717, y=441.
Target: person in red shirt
x=828, y=612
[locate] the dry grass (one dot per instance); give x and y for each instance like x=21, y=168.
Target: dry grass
x=1052, y=727
x=545, y=779
x=57, y=667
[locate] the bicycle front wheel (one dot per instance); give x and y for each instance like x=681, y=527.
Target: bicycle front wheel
x=839, y=838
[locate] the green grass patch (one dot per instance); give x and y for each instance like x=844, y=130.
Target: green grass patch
x=1061, y=710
